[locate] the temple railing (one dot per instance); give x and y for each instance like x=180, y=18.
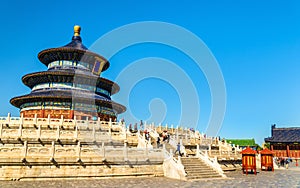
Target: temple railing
x=173, y=142
x=173, y=167
x=65, y=123
x=90, y=130
x=53, y=129
x=143, y=142
x=212, y=162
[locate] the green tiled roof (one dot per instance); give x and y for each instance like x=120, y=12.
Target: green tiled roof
x=242, y=142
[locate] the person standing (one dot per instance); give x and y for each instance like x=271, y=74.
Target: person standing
x=141, y=125
x=158, y=142
x=287, y=161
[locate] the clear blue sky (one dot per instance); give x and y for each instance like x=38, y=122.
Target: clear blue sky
x=256, y=44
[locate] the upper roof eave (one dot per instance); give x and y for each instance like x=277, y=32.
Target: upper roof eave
x=68, y=53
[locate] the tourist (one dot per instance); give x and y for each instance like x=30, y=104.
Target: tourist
x=135, y=127
x=178, y=149
x=164, y=135
x=130, y=128
x=168, y=137
x=282, y=162
x=147, y=136
x=223, y=140
x=158, y=142
x=141, y=125
x=287, y=161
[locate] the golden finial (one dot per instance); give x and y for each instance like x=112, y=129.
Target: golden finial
x=77, y=29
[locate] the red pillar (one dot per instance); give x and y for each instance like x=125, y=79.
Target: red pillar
x=43, y=113
x=71, y=114
x=287, y=150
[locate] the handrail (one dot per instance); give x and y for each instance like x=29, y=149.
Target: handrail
x=212, y=162
x=152, y=132
x=143, y=143
x=62, y=121
x=172, y=162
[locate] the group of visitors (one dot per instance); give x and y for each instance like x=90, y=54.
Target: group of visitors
x=147, y=135
x=135, y=127
x=284, y=162
x=165, y=138
x=134, y=130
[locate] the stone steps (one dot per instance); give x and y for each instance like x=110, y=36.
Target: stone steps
x=204, y=176
x=199, y=170
x=196, y=169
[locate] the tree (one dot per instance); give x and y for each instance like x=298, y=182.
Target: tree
x=266, y=145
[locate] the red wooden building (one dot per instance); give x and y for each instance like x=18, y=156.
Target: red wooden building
x=285, y=142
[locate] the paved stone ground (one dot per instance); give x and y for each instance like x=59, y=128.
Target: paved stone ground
x=279, y=178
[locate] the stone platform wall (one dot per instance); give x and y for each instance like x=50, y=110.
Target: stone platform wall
x=41, y=148
x=78, y=171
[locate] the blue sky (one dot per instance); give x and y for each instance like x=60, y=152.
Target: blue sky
x=256, y=44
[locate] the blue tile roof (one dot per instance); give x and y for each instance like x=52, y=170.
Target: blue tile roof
x=291, y=134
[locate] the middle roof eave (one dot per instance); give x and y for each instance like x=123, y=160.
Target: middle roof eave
x=69, y=75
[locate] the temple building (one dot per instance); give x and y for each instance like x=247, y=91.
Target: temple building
x=71, y=87
x=285, y=142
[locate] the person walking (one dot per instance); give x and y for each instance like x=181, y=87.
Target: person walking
x=178, y=149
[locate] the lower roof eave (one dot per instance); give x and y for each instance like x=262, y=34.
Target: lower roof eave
x=18, y=101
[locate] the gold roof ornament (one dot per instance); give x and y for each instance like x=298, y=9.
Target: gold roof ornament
x=77, y=30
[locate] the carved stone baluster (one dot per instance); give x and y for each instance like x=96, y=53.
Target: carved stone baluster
x=20, y=132
x=35, y=121
x=25, y=152
x=1, y=130
x=8, y=120
x=76, y=132
x=78, y=152
x=103, y=152
x=125, y=152
x=39, y=133
x=109, y=131
x=94, y=134
x=52, y=152
x=49, y=120
x=58, y=133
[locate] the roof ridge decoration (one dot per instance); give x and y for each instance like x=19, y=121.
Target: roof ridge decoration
x=77, y=30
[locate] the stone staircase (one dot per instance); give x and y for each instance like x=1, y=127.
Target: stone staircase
x=196, y=169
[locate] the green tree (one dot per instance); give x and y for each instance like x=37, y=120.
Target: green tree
x=266, y=145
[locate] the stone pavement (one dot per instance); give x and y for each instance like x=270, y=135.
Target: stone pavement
x=279, y=178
